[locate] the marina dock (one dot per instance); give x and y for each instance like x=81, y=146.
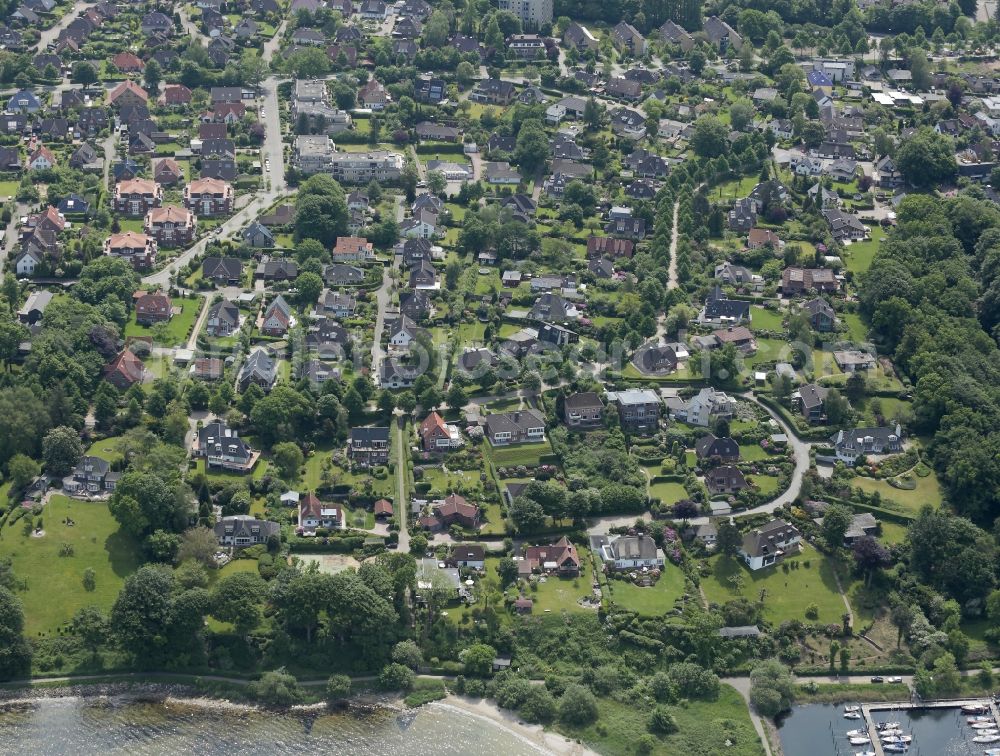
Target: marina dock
x=870, y=727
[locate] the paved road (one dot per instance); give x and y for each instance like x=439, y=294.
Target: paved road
x=190, y=27
x=50, y=35
x=10, y=233
x=271, y=46
x=272, y=150
x=192, y=342
x=674, y=236
x=402, y=505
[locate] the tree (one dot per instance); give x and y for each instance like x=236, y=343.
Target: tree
x=772, y=688
x=161, y=546
x=21, y=470
x=437, y=29
x=532, y=147
x=408, y=654
x=61, y=450
x=740, y=114
x=729, y=539
x=338, y=688
x=506, y=571
x=12, y=335
x=947, y=678
x=577, y=707
x=323, y=218
x=153, y=76
x=309, y=286
x=456, y=397
x=395, y=677
x=236, y=599
x=143, y=502
x=84, y=73
x=308, y=63
x=478, y=659
x=198, y=545
x=277, y=688
x=710, y=137
x=91, y=626
x=926, y=158
x=15, y=652
x=465, y=73
x=920, y=69
x=870, y=556
x=836, y=520
x=409, y=179
x=253, y=68
x=539, y=705
x=287, y=456
x=140, y=617
x=527, y=514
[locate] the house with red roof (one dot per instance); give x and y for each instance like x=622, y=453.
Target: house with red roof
x=127, y=62
x=314, y=514
x=174, y=95
x=383, y=509
x=127, y=93
x=125, y=370
x=560, y=558
x=171, y=226
x=208, y=197
x=138, y=249
x=151, y=309
x=437, y=435
x=41, y=159
x=454, y=509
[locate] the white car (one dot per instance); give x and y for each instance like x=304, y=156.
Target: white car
x=896, y=680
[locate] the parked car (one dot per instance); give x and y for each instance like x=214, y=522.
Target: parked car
x=877, y=679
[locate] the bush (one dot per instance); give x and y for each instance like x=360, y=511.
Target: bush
x=277, y=688
x=578, y=706
x=539, y=706
x=338, y=687
x=395, y=677
x=661, y=721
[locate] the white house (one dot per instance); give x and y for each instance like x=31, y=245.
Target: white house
x=628, y=552
x=769, y=544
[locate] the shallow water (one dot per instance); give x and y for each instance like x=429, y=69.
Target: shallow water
x=83, y=726
x=819, y=730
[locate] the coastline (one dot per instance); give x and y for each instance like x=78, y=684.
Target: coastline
x=180, y=694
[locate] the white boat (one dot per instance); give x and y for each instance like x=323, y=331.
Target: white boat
x=851, y=715
x=975, y=708
x=991, y=752
x=895, y=747
x=986, y=739
x=980, y=718
x=852, y=708
x=866, y=741
x=903, y=739
x=988, y=732
x=865, y=753
x=887, y=725
x=857, y=733
x=983, y=725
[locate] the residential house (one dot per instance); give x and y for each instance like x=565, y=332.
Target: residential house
x=493, y=92
x=760, y=237
x=339, y=274
x=259, y=368
x=240, y=531
x=373, y=95
x=628, y=552
x=223, y=271
x=725, y=479
x=209, y=197
x=258, y=236
x=127, y=93
x=519, y=426
x=638, y=409
x=845, y=226
x=168, y=172
x=600, y=246
x=628, y=39
x=810, y=400
x=721, y=35
x=719, y=309
x=154, y=308
x=583, y=410
x=277, y=318
x=314, y=514
x=709, y=447
x=623, y=89
x=579, y=36
x=705, y=405
x=138, y=249
x=136, y=197
x=222, y=448
x=559, y=558
x=339, y=304
x=23, y=101
x=92, y=475
x=736, y=275
x=125, y=370
x=223, y=319
x=174, y=95
x=41, y=159
x=797, y=281
x=454, y=509
x=437, y=435
x=170, y=226
x=368, y=446
x=770, y=544
x=853, y=360
x=673, y=34
x=501, y=173
x=822, y=316
x=34, y=308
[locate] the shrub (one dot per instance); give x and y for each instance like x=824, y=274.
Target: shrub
x=539, y=705
x=661, y=721
x=578, y=706
x=338, y=687
x=395, y=677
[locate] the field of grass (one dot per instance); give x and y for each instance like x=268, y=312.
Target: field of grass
x=176, y=330
x=856, y=329
x=704, y=727
x=753, y=452
x=106, y=449
x=652, y=600
x=559, y=594
x=667, y=492
x=763, y=319
x=767, y=484
x=518, y=454
x=8, y=188
x=55, y=583
x=927, y=491
x=860, y=254
x=733, y=189
x=786, y=594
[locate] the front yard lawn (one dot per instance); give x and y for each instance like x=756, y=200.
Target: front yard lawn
x=518, y=454
x=667, y=492
x=927, y=491
x=55, y=583
x=786, y=595
x=560, y=594
x=763, y=319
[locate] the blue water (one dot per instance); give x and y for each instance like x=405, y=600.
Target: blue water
x=819, y=730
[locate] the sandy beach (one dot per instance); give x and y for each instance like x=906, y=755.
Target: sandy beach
x=536, y=735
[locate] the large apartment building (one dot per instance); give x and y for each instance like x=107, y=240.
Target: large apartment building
x=533, y=13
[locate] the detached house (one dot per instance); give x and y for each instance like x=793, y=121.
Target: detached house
x=243, y=530
x=560, y=558
x=314, y=514
x=209, y=197
x=153, y=308
x=136, y=197
x=583, y=410
x=768, y=545
x=260, y=368
x=222, y=271
x=725, y=479
x=627, y=38
x=373, y=95
x=138, y=249
x=638, y=409
x=277, y=318
x=797, y=281
x=628, y=552
x=520, y=426
x=171, y=226
x=92, y=475
x=368, y=447
x=437, y=435
x=221, y=447
x=125, y=370
x=223, y=319
x=857, y=443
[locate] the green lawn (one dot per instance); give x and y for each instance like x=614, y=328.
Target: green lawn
x=562, y=594
x=667, y=492
x=927, y=491
x=763, y=319
x=753, y=452
x=652, y=600
x=856, y=329
x=518, y=454
x=55, y=588
x=703, y=727
x=860, y=254
x=767, y=484
x=106, y=449
x=786, y=594
x=8, y=188
x=176, y=330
